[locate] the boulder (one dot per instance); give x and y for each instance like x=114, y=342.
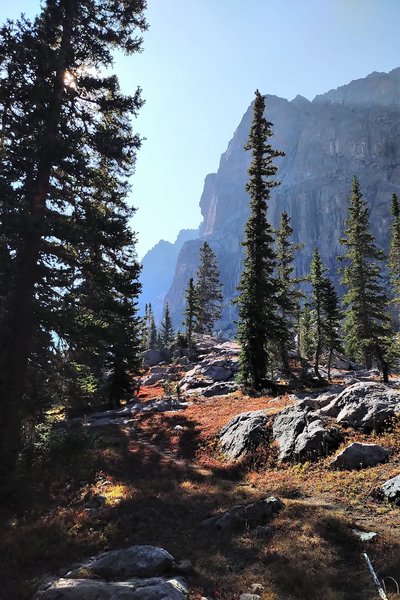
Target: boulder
x=152, y=357
x=359, y=456
x=246, y=516
x=243, y=433
x=391, y=489
x=217, y=373
x=137, y=589
x=302, y=435
x=220, y=389
x=136, y=561
x=364, y=405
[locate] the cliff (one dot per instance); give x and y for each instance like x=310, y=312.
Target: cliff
x=353, y=130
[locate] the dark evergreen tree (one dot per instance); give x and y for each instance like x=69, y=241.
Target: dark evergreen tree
x=208, y=289
x=331, y=321
x=191, y=310
x=167, y=333
x=306, y=335
x=258, y=289
x=153, y=335
x=66, y=137
x=318, y=283
x=288, y=295
x=366, y=325
x=394, y=253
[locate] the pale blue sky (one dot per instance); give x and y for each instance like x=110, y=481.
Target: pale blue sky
x=201, y=63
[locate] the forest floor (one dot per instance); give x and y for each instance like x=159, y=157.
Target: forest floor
x=159, y=482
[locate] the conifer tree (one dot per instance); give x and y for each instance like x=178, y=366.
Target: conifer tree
x=317, y=285
x=258, y=290
x=394, y=253
x=66, y=136
x=288, y=295
x=191, y=310
x=153, y=335
x=306, y=335
x=208, y=289
x=331, y=321
x=167, y=333
x=366, y=324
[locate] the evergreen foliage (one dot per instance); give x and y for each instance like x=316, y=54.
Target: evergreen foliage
x=167, y=333
x=306, y=335
x=258, y=289
x=191, y=310
x=67, y=151
x=366, y=324
x=208, y=289
x=394, y=253
x=325, y=314
x=288, y=294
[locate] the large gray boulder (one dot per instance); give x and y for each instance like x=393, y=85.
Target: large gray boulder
x=391, y=489
x=246, y=516
x=359, y=456
x=364, y=405
x=88, y=589
x=136, y=561
x=302, y=435
x=217, y=373
x=243, y=433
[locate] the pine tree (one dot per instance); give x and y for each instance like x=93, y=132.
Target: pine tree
x=306, y=334
x=167, y=333
x=318, y=283
x=366, y=325
x=191, y=310
x=331, y=321
x=288, y=295
x=66, y=136
x=208, y=289
x=325, y=314
x=258, y=290
x=153, y=335
x=394, y=253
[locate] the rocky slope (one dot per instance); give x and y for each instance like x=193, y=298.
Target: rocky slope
x=353, y=130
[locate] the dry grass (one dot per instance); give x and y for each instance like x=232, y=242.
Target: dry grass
x=159, y=483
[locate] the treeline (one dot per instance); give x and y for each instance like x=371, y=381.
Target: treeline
x=276, y=318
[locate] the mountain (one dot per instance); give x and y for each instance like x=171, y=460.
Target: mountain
x=353, y=130
x=158, y=268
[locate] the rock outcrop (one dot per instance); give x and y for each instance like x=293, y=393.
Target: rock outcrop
x=359, y=456
x=135, y=573
x=351, y=130
x=302, y=435
x=244, y=433
x=390, y=490
x=364, y=405
x=246, y=516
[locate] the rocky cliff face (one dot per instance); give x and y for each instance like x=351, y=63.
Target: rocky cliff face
x=354, y=130
x=158, y=268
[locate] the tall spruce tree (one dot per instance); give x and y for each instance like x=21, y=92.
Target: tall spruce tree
x=191, y=310
x=331, y=321
x=366, y=324
x=317, y=279
x=306, y=335
x=167, y=333
x=394, y=253
x=325, y=314
x=208, y=289
x=288, y=295
x=258, y=289
x=65, y=135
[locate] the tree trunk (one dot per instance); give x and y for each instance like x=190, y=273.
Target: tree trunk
x=330, y=363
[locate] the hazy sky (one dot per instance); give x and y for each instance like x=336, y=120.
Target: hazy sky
x=202, y=61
